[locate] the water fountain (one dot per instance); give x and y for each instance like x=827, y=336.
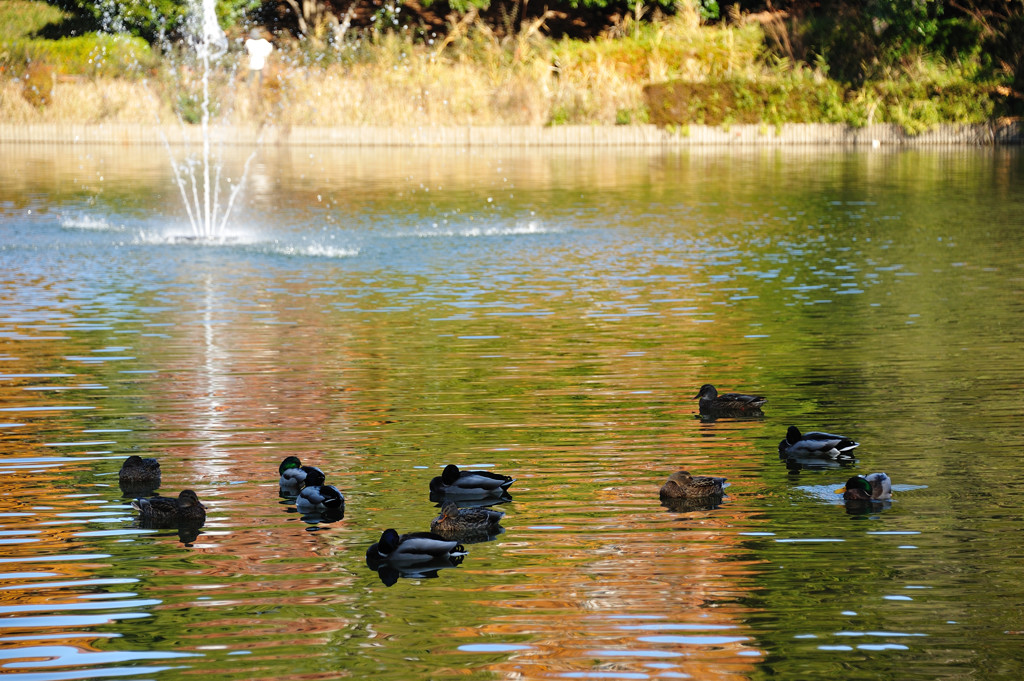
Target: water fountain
x=199, y=178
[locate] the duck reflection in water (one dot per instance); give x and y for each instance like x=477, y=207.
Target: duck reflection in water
x=324, y=517
x=389, y=574
x=795, y=464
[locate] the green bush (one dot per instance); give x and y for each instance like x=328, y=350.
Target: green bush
x=92, y=54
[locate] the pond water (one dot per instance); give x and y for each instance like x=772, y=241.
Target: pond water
x=545, y=314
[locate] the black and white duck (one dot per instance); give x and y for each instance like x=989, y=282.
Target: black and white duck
x=316, y=497
x=410, y=549
x=459, y=484
x=293, y=475
x=816, y=444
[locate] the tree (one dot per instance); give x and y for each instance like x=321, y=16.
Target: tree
x=154, y=19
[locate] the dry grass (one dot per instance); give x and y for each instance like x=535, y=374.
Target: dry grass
x=388, y=79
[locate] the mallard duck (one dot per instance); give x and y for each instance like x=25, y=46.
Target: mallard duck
x=316, y=496
x=816, y=444
x=466, y=524
x=171, y=512
x=293, y=474
x=682, y=485
x=469, y=484
x=873, y=487
x=713, y=404
x=139, y=473
x=413, y=548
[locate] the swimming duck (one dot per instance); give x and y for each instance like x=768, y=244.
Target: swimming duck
x=682, y=485
x=713, y=404
x=816, y=444
x=171, y=512
x=873, y=487
x=316, y=496
x=139, y=473
x=469, y=484
x=466, y=524
x=293, y=474
x=412, y=549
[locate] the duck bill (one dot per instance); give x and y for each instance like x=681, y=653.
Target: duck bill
x=840, y=490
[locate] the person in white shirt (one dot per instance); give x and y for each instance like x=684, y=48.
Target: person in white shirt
x=259, y=49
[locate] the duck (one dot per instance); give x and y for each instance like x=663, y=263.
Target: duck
x=466, y=524
x=171, y=512
x=469, y=484
x=872, y=487
x=293, y=474
x=816, y=444
x=713, y=404
x=682, y=485
x=139, y=473
x=413, y=548
x=316, y=496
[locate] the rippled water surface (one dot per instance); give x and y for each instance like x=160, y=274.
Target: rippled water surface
x=549, y=315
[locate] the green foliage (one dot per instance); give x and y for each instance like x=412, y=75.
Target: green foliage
x=154, y=19
x=21, y=19
x=707, y=9
x=916, y=103
x=858, y=37
x=799, y=98
x=91, y=54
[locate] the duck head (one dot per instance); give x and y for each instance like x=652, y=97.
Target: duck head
x=388, y=542
x=449, y=510
x=873, y=487
x=707, y=390
x=314, y=476
x=288, y=464
x=681, y=478
x=793, y=435
x=187, y=498
x=450, y=474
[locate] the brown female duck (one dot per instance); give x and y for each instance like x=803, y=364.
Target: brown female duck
x=728, y=404
x=682, y=485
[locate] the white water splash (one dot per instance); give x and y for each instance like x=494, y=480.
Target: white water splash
x=87, y=222
x=519, y=229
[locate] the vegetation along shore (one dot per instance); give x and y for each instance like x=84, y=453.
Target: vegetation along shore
x=913, y=63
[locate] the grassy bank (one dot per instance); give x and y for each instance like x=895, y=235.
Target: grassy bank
x=671, y=71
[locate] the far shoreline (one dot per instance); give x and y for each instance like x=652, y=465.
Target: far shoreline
x=995, y=133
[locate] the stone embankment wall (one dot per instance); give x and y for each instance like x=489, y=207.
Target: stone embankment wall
x=999, y=132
